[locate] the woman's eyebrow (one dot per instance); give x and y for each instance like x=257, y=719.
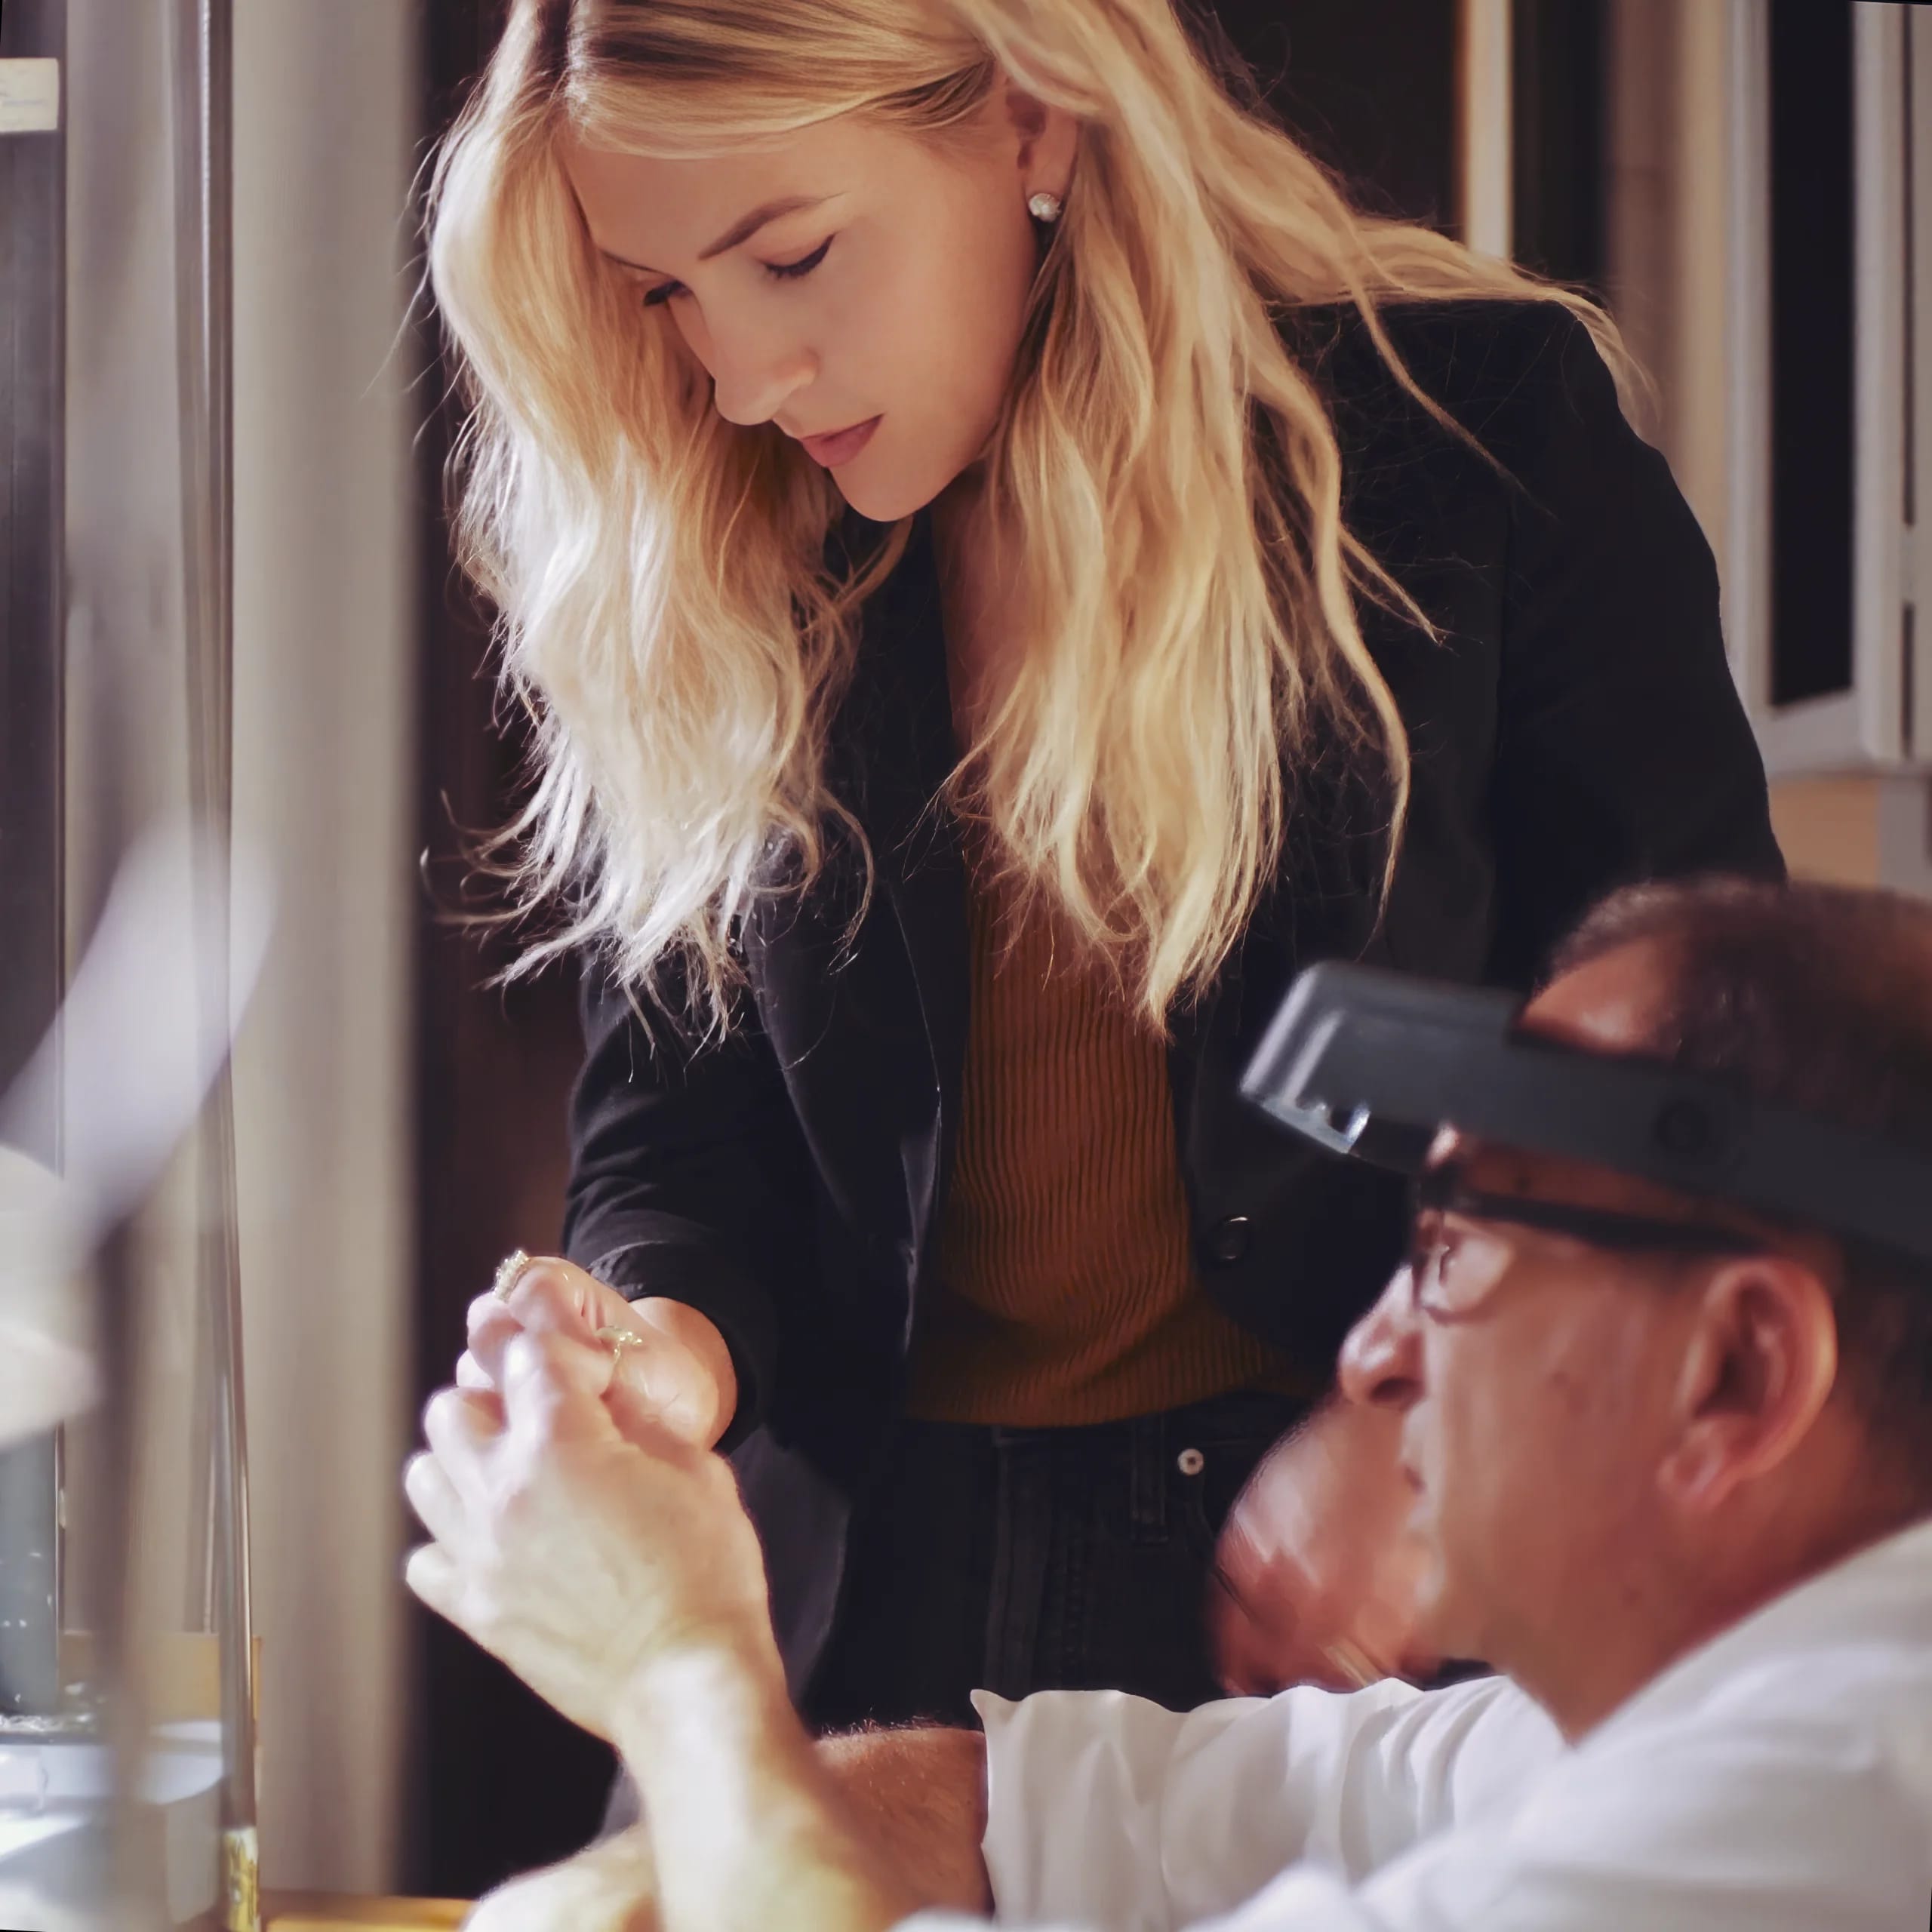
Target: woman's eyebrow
x=740, y=230
x=743, y=229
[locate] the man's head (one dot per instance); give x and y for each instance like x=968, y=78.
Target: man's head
x=1633, y=1418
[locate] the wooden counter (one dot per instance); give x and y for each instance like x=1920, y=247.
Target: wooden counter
x=336, y=1912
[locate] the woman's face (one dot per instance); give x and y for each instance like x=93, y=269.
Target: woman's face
x=863, y=289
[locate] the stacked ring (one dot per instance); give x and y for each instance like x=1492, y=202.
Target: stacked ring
x=508, y=1270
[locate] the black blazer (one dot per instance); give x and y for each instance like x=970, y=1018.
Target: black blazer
x=1575, y=727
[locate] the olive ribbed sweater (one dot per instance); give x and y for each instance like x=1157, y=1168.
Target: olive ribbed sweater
x=1067, y=1292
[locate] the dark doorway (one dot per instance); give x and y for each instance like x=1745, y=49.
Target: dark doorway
x=1369, y=86
x=499, y=1783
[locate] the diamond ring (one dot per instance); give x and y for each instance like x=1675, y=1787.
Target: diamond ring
x=507, y=1270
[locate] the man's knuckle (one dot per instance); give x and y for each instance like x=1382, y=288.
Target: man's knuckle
x=519, y=1509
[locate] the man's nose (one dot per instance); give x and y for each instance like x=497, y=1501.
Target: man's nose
x=1381, y=1362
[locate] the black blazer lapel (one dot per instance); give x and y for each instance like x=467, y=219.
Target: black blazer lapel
x=895, y=741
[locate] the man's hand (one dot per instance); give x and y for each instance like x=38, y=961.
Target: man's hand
x=1316, y=1572
x=608, y=1887
x=676, y=1374
x=623, y=1581
x=578, y=1557
x=918, y=1794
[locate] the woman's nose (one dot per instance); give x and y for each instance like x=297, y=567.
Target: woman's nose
x=752, y=382
x=1381, y=1363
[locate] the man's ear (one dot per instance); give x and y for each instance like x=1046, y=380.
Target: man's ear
x=1761, y=1359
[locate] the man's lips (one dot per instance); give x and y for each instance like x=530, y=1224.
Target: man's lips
x=839, y=445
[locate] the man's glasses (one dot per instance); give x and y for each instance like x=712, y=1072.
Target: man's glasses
x=1454, y=1261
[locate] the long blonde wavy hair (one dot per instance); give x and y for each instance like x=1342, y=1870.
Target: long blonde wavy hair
x=667, y=609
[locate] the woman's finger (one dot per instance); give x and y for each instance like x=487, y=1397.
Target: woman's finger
x=556, y=1297
x=554, y=1389
x=549, y=1296
x=434, y=1498
x=663, y=1378
x=656, y=1384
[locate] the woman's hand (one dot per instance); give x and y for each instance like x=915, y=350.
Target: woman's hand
x=1317, y=1573
x=578, y=1557
x=676, y=1374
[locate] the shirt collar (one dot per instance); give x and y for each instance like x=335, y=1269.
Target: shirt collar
x=1881, y=1594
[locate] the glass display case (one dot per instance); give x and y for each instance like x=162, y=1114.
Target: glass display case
x=126, y=1685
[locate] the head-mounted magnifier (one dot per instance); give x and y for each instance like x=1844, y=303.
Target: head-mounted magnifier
x=1365, y=1062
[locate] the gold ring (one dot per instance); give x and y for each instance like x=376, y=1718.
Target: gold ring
x=618, y=1339
x=507, y=1270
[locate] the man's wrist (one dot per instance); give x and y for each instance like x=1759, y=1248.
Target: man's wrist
x=747, y=1825
x=723, y=1683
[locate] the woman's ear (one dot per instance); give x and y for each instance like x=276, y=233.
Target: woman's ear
x=1761, y=1363
x=1047, y=135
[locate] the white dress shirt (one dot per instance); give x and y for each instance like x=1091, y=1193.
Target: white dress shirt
x=1777, y=1780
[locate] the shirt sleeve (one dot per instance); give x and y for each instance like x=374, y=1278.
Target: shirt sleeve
x=1106, y=1810
x=1757, y=1813
x=1748, y=1819
x=689, y=1177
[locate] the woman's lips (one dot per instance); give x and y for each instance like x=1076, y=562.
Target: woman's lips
x=841, y=446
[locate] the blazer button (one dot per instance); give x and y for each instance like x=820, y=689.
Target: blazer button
x=1228, y=1240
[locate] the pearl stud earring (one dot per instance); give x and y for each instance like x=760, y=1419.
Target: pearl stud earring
x=1043, y=207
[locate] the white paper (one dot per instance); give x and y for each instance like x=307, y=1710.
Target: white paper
x=29, y=97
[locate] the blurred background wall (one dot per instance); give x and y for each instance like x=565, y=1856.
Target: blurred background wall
x=328, y=119
x=1734, y=176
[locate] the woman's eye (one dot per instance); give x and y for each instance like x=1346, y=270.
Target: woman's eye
x=655, y=298
x=791, y=271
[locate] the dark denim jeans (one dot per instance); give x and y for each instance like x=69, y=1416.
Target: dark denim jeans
x=1016, y=1560
x=1029, y=1559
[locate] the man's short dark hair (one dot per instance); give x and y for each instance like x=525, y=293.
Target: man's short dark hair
x=1817, y=997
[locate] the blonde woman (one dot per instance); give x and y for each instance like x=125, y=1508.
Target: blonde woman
x=1006, y=563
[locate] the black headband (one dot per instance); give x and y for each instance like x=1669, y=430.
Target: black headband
x=1373, y=1063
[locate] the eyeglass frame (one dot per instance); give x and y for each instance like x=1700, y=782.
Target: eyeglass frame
x=1439, y=1191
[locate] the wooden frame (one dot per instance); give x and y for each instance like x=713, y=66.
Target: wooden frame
x=1485, y=92
x=1884, y=720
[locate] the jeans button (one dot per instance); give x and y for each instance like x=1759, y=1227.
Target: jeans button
x=1190, y=1461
